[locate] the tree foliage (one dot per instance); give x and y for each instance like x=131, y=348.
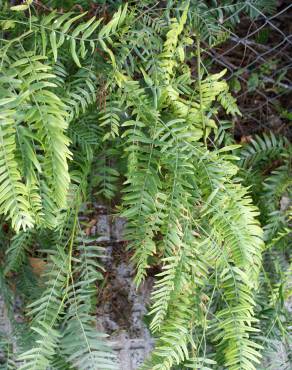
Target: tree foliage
x=115, y=107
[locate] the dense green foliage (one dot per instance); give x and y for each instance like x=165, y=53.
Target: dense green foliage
x=123, y=107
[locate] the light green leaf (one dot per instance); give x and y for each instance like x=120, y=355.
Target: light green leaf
x=73, y=52
x=54, y=44
x=19, y=8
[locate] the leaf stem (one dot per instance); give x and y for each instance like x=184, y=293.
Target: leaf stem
x=198, y=47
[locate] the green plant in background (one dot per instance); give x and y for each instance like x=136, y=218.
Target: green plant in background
x=95, y=108
x=266, y=166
